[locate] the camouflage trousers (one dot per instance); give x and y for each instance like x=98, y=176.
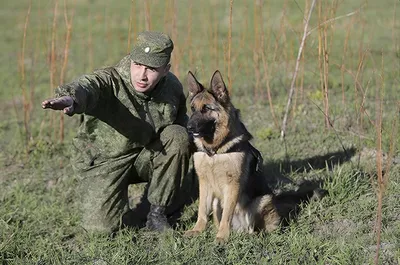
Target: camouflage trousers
x=163, y=165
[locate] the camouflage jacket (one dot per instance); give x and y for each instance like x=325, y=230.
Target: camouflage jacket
x=118, y=119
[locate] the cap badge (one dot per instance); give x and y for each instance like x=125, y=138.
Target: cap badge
x=147, y=49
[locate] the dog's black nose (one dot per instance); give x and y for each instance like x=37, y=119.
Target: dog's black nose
x=190, y=127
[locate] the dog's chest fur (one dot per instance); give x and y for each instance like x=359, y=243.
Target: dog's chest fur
x=220, y=170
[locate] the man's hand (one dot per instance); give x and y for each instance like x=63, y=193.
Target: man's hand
x=65, y=103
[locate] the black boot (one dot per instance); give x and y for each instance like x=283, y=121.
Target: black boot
x=156, y=219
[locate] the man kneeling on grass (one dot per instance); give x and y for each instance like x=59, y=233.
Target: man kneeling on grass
x=133, y=131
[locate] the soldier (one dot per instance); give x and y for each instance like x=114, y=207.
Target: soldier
x=133, y=131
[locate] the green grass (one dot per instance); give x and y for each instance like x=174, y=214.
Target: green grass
x=39, y=221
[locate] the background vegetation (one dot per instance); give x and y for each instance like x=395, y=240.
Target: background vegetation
x=342, y=126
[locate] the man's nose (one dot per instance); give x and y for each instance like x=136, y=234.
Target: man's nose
x=142, y=73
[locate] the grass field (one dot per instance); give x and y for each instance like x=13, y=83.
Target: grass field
x=344, y=114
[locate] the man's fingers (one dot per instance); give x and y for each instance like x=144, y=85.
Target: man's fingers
x=58, y=103
x=46, y=104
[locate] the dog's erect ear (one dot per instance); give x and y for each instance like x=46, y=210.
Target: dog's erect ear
x=193, y=85
x=218, y=87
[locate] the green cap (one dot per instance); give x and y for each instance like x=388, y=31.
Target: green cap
x=152, y=49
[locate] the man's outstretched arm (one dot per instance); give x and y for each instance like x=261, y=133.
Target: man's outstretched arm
x=81, y=95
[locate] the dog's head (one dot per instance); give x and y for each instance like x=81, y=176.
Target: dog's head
x=210, y=108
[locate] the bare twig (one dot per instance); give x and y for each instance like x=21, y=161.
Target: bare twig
x=230, y=46
x=53, y=57
x=68, y=23
x=22, y=70
x=380, y=174
x=333, y=19
x=284, y=122
x=147, y=15
x=128, y=48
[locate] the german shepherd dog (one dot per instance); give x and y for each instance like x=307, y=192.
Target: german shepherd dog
x=229, y=168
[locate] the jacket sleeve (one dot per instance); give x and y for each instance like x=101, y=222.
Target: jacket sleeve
x=88, y=90
x=182, y=117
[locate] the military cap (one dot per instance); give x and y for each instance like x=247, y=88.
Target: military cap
x=152, y=49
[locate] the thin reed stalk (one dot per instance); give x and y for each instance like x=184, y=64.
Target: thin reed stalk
x=380, y=175
x=22, y=72
x=342, y=66
x=188, y=43
x=324, y=65
x=147, y=17
x=90, y=42
x=267, y=71
x=284, y=122
x=131, y=14
x=257, y=49
x=395, y=34
x=174, y=36
x=53, y=65
x=230, y=46
x=68, y=23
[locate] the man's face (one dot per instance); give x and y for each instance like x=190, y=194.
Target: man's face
x=145, y=78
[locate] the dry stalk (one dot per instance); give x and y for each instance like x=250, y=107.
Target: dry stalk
x=284, y=122
x=90, y=42
x=53, y=65
x=189, y=34
x=267, y=82
x=267, y=73
x=342, y=66
x=380, y=176
x=358, y=88
x=394, y=32
x=147, y=17
x=325, y=71
x=230, y=46
x=306, y=7
x=174, y=36
x=382, y=170
x=68, y=23
x=243, y=40
x=131, y=14
x=281, y=32
x=22, y=72
x=256, y=49
x=334, y=19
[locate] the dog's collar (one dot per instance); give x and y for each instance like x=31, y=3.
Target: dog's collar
x=226, y=147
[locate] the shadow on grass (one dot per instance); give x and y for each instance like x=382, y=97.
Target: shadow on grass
x=277, y=171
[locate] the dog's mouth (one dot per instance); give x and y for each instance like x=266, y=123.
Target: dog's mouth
x=204, y=130
x=196, y=134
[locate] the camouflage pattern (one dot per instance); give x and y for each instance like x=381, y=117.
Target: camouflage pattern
x=128, y=137
x=152, y=49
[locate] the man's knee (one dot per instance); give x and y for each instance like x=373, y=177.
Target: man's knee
x=176, y=137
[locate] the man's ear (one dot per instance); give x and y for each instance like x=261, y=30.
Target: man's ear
x=167, y=68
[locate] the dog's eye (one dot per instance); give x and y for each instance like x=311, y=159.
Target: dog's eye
x=207, y=108
x=192, y=108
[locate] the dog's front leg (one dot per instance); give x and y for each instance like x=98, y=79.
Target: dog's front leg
x=231, y=195
x=205, y=200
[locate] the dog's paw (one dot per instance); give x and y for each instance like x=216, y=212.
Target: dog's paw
x=191, y=233
x=221, y=240
x=222, y=237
